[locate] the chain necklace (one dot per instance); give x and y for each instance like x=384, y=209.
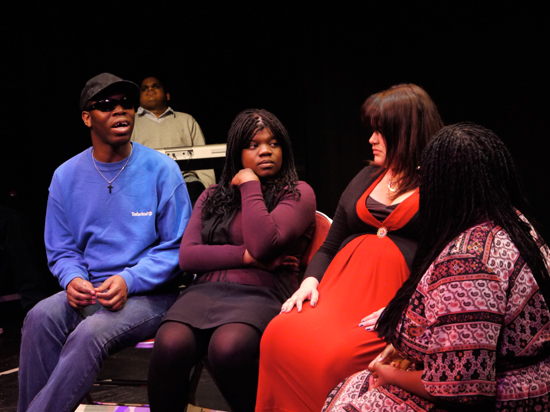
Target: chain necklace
x=107, y=180
x=392, y=185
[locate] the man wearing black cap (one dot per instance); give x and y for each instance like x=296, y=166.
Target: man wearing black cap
x=116, y=214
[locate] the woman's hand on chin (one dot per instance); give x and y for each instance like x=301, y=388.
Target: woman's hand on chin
x=307, y=291
x=244, y=175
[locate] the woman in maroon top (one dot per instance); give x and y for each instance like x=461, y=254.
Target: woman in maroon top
x=244, y=242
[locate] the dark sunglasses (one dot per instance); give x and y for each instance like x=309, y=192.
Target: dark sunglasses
x=108, y=105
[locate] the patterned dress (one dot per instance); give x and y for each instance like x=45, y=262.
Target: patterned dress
x=480, y=328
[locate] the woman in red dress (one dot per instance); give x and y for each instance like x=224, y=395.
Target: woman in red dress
x=310, y=347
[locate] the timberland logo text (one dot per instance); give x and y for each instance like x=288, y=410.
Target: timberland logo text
x=142, y=213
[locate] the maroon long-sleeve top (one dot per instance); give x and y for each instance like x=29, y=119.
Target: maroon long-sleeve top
x=266, y=235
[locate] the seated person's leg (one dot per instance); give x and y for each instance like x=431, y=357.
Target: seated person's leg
x=233, y=356
x=44, y=333
x=93, y=340
x=178, y=348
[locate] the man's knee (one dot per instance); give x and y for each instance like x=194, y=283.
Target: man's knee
x=110, y=332
x=48, y=313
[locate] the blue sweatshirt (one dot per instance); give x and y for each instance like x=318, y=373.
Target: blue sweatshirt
x=134, y=232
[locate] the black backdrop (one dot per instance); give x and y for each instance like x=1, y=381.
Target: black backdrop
x=311, y=64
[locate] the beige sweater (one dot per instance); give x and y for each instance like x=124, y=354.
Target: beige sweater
x=172, y=129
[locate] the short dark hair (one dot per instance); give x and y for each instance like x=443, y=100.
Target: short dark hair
x=161, y=80
x=407, y=118
x=224, y=199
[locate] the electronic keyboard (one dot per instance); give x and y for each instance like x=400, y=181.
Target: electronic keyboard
x=209, y=156
x=194, y=152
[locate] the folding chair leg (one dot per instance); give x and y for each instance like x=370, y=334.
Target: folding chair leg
x=89, y=399
x=194, y=382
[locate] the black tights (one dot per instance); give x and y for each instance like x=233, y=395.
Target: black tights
x=232, y=350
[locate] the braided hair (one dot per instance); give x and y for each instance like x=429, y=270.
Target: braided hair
x=225, y=199
x=407, y=119
x=467, y=177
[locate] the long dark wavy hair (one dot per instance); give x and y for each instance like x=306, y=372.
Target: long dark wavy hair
x=224, y=200
x=407, y=118
x=467, y=177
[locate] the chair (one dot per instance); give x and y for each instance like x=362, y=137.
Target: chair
x=322, y=227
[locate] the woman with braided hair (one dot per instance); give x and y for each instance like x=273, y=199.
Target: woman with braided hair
x=244, y=241
x=470, y=328
x=365, y=259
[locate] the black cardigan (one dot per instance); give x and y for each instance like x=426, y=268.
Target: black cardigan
x=347, y=225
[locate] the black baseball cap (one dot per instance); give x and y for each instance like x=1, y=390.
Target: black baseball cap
x=104, y=81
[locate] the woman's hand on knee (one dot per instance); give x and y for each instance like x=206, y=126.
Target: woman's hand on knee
x=307, y=291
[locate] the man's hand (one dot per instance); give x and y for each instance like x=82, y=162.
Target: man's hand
x=80, y=293
x=112, y=293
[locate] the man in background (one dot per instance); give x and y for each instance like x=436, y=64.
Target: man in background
x=159, y=126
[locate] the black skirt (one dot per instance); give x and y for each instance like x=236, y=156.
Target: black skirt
x=209, y=305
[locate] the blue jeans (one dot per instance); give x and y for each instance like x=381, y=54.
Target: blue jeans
x=62, y=348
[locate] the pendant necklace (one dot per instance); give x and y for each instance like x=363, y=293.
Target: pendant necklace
x=107, y=180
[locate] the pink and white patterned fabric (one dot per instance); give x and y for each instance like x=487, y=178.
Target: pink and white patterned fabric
x=480, y=327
